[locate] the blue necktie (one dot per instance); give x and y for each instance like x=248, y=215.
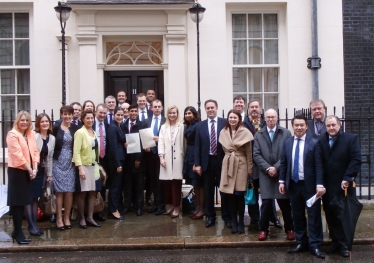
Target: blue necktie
x=110, y=118
x=331, y=142
x=295, y=174
x=271, y=134
x=155, y=127
x=143, y=116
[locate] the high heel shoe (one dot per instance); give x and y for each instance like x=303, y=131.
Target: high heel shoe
x=21, y=241
x=92, y=224
x=198, y=217
x=34, y=232
x=174, y=216
x=83, y=226
x=168, y=212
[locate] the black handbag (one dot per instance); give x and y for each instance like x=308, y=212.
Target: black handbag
x=189, y=203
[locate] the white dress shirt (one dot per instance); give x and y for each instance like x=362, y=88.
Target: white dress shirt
x=97, y=130
x=215, y=127
x=301, y=155
x=145, y=113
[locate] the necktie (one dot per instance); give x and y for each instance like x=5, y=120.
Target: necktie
x=295, y=174
x=102, y=145
x=319, y=126
x=131, y=125
x=331, y=142
x=155, y=127
x=271, y=134
x=150, y=107
x=143, y=116
x=213, y=141
x=110, y=117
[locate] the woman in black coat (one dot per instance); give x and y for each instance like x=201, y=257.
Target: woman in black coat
x=116, y=154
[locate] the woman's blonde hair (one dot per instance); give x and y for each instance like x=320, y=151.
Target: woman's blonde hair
x=167, y=115
x=18, y=118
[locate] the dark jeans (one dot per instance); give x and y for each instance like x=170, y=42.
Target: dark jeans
x=115, y=186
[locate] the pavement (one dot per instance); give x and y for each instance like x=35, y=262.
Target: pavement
x=148, y=232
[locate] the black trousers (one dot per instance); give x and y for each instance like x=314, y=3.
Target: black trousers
x=133, y=181
x=105, y=165
x=115, y=186
x=267, y=213
x=211, y=178
x=254, y=210
x=156, y=186
x=298, y=197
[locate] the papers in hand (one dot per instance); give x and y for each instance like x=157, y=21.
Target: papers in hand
x=312, y=200
x=146, y=135
x=133, y=143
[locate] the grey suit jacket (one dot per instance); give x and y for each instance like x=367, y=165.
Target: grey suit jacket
x=311, y=129
x=267, y=154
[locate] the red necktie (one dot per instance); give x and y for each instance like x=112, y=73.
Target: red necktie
x=131, y=125
x=150, y=107
x=213, y=141
x=102, y=145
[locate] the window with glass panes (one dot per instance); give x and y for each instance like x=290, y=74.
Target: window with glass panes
x=14, y=65
x=255, y=58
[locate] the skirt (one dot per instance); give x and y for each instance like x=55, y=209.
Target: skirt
x=38, y=183
x=19, y=187
x=88, y=184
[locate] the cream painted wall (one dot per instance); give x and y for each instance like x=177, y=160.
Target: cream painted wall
x=215, y=47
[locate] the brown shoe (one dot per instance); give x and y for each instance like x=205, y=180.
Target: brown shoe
x=262, y=235
x=290, y=235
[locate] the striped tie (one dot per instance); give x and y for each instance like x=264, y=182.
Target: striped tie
x=213, y=139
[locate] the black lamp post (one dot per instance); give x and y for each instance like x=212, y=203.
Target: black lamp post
x=63, y=14
x=197, y=14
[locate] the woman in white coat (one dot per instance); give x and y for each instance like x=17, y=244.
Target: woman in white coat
x=171, y=152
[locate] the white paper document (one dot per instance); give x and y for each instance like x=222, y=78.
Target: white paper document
x=133, y=143
x=146, y=135
x=312, y=200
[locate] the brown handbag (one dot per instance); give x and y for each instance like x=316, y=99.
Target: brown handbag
x=99, y=203
x=103, y=175
x=47, y=202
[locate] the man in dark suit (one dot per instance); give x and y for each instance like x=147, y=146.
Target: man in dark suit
x=135, y=166
x=121, y=98
x=316, y=126
x=153, y=160
x=100, y=126
x=341, y=156
x=301, y=174
x=150, y=96
x=208, y=161
x=255, y=122
x=110, y=102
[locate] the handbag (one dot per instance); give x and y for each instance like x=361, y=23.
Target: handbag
x=47, y=202
x=250, y=198
x=189, y=203
x=103, y=175
x=99, y=203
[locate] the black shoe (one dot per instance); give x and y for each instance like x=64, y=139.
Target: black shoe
x=125, y=211
x=316, y=252
x=99, y=217
x=67, y=226
x=139, y=212
x=210, y=222
x=149, y=202
x=299, y=248
x=111, y=216
x=333, y=248
x=21, y=241
x=228, y=224
x=61, y=228
x=34, y=232
x=152, y=210
x=257, y=226
x=344, y=253
x=160, y=212
x=83, y=226
x=52, y=219
x=92, y=225
x=277, y=224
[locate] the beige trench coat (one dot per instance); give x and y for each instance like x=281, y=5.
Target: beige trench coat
x=237, y=163
x=173, y=154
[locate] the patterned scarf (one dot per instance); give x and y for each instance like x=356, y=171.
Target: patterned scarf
x=256, y=123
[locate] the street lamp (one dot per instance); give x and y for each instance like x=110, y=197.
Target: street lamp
x=63, y=14
x=197, y=14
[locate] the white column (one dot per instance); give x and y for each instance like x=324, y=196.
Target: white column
x=175, y=73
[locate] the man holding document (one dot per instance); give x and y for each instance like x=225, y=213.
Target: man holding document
x=134, y=163
x=301, y=174
x=153, y=161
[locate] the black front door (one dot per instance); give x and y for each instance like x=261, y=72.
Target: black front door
x=134, y=82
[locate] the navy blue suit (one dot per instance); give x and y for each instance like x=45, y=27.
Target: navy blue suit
x=301, y=191
x=116, y=156
x=340, y=162
x=153, y=168
x=211, y=166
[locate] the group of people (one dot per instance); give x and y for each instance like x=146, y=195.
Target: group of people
x=320, y=159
